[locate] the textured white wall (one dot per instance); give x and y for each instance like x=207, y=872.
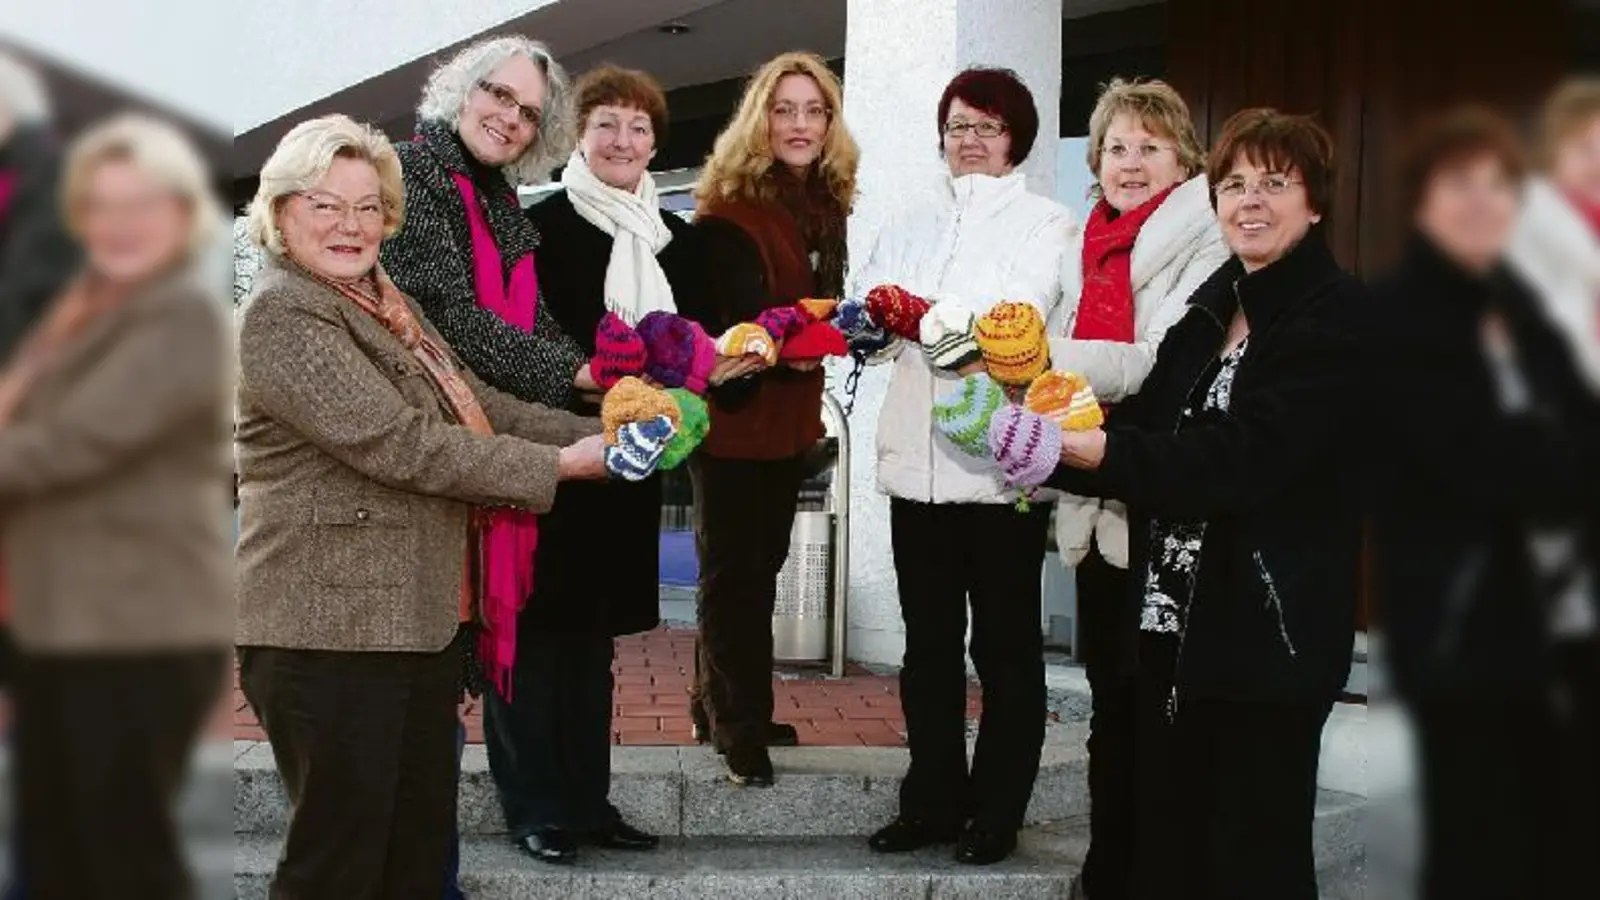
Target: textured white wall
x=899, y=55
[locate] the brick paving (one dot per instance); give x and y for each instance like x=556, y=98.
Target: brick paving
x=653, y=672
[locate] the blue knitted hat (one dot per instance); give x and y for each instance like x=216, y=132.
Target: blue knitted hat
x=639, y=448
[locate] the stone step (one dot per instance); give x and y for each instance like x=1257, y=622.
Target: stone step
x=683, y=792
x=804, y=868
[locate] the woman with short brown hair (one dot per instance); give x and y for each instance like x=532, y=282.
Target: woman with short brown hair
x=1244, y=528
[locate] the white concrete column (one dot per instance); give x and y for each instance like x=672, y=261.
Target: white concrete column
x=899, y=55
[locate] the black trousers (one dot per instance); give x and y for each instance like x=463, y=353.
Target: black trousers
x=944, y=556
x=366, y=746
x=744, y=516
x=1108, y=868
x=102, y=747
x=550, y=746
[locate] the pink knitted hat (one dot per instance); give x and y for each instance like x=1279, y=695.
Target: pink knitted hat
x=618, y=352
x=705, y=359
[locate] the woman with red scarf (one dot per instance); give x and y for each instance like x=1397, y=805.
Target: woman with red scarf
x=1149, y=241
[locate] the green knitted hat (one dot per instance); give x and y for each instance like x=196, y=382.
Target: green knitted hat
x=963, y=414
x=696, y=423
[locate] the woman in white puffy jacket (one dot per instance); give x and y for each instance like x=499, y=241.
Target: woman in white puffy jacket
x=1150, y=240
x=954, y=529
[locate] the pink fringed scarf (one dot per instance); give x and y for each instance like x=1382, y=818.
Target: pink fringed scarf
x=508, y=538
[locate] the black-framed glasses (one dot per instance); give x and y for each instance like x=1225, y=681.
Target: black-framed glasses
x=988, y=128
x=507, y=100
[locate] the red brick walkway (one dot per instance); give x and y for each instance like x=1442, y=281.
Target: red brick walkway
x=653, y=672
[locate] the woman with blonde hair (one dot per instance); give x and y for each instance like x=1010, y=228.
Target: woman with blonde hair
x=1150, y=240
x=113, y=475
x=772, y=204
x=382, y=489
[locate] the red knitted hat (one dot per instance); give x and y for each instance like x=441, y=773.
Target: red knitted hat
x=814, y=341
x=619, y=351
x=897, y=310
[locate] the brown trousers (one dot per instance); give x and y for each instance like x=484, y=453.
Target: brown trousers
x=743, y=516
x=366, y=746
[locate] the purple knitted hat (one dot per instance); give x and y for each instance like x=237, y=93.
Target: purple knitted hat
x=705, y=359
x=669, y=346
x=1025, y=444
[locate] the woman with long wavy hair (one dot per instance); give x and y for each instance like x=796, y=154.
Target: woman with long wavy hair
x=772, y=203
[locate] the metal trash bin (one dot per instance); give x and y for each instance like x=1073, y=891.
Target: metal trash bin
x=809, y=618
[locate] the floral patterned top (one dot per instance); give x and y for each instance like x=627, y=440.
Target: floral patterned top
x=1175, y=557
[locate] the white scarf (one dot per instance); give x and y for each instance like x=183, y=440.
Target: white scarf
x=635, y=284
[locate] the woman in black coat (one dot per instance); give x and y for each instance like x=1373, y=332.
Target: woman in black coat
x=1244, y=529
x=1485, y=509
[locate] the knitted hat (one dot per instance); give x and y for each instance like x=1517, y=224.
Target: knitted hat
x=1011, y=336
x=669, y=347
x=897, y=310
x=618, y=352
x=639, y=448
x=817, y=309
x=1025, y=444
x=963, y=414
x=746, y=339
x=1065, y=398
x=814, y=341
x=631, y=400
x=782, y=322
x=696, y=423
x=703, y=361
x=948, y=337
x=863, y=337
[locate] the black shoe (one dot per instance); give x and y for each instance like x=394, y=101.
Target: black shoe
x=979, y=847
x=550, y=845
x=904, y=835
x=749, y=766
x=619, y=835
x=780, y=734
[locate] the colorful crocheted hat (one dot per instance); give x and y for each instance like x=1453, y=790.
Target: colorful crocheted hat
x=1012, y=338
x=861, y=334
x=782, y=322
x=1026, y=445
x=618, y=352
x=694, y=425
x=897, y=310
x=948, y=337
x=1066, y=399
x=703, y=361
x=748, y=339
x=814, y=341
x=631, y=400
x=639, y=448
x=963, y=414
x=669, y=342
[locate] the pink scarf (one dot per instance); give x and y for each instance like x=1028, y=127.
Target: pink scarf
x=510, y=538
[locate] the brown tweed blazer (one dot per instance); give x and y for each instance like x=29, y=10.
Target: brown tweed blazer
x=355, y=484
x=114, y=482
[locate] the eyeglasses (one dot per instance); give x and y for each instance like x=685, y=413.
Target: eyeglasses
x=507, y=100
x=792, y=113
x=328, y=211
x=1120, y=152
x=986, y=129
x=1272, y=185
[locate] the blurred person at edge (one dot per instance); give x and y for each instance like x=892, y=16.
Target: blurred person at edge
x=1485, y=511
x=1244, y=528
x=384, y=496
x=113, y=469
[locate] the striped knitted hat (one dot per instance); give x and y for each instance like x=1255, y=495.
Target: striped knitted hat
x=669, y=342
x=948, y=337
x=897, y=310
x=1026, y=445
x=695, y=424
x=639, y=448
x=631, y=400
x=746, y=339
x=618, y=352
x=963, y=414
x=782, y=322
x=1012, y=338
x=1066, y=399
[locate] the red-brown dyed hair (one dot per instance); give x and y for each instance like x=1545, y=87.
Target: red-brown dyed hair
x=1277, y=142
x=1452, y=138
x=1000, y=93
x=615, y=86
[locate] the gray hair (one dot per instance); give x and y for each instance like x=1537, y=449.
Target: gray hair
x=445, y=96
x=22, y=93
